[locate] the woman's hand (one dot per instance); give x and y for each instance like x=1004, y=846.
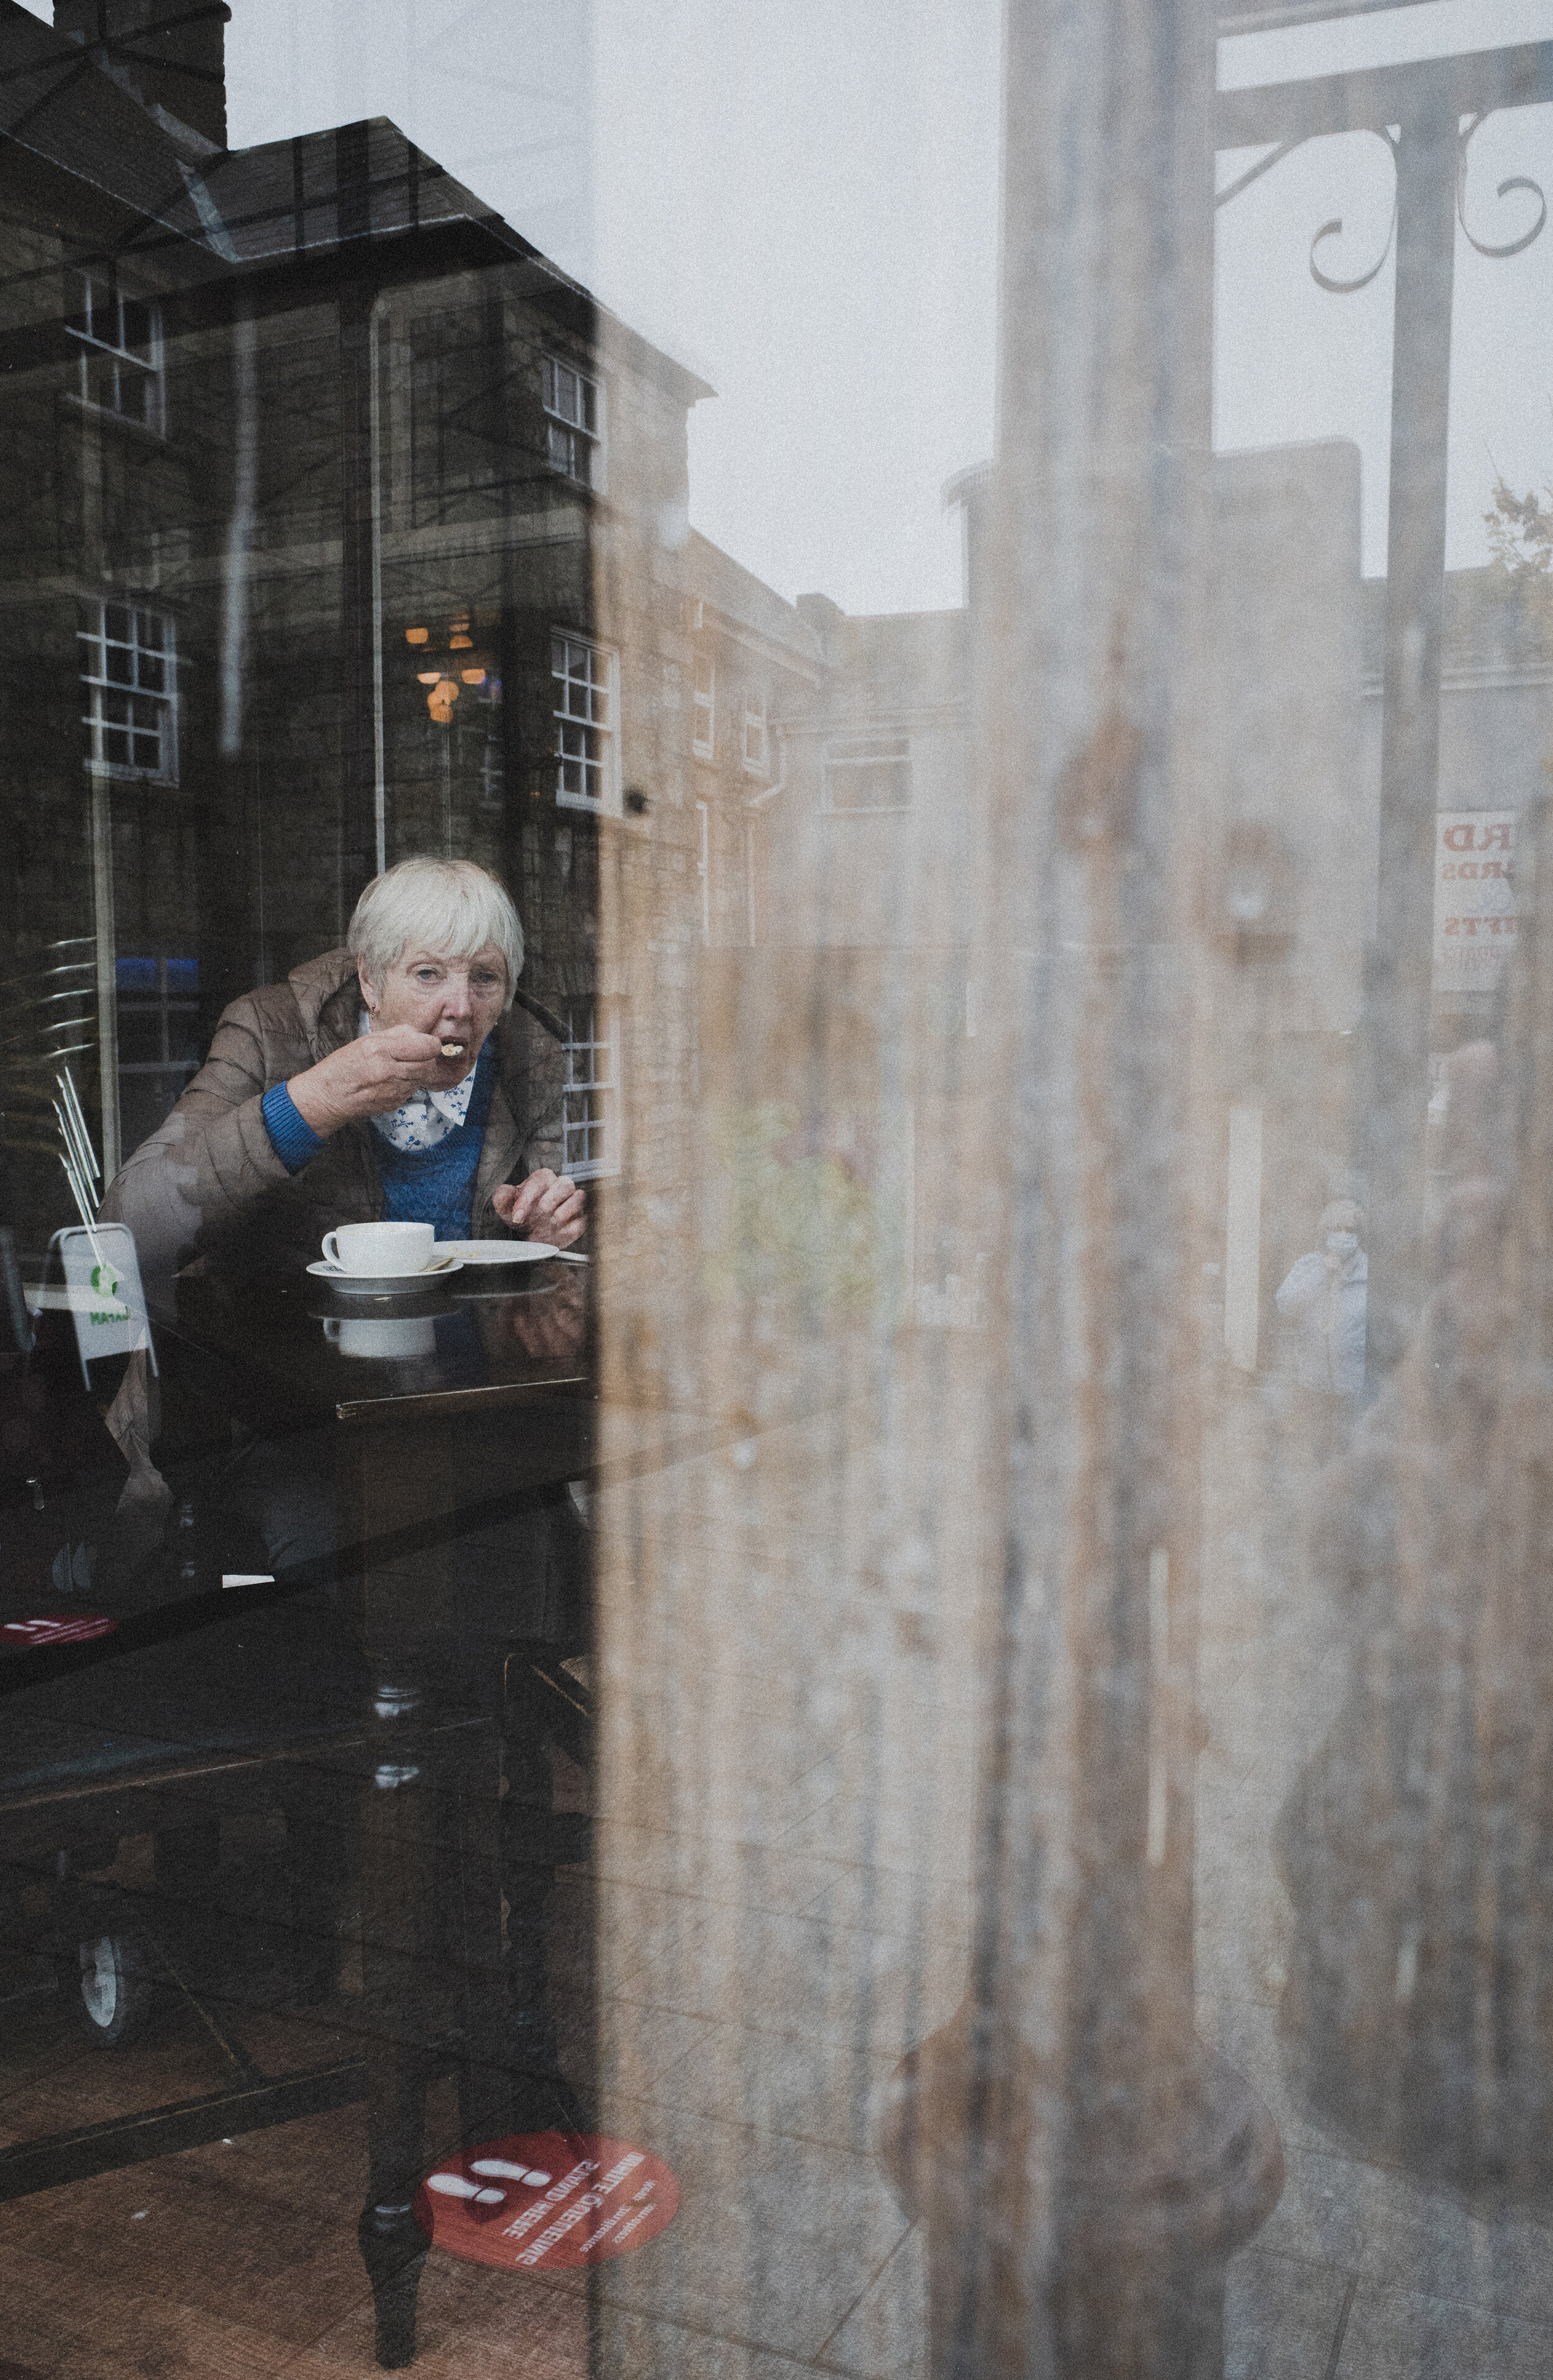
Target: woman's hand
x=547, y=1207
x=370, y=1077
x=550, y=1326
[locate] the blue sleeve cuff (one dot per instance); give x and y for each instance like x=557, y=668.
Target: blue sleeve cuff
x=291, y=1136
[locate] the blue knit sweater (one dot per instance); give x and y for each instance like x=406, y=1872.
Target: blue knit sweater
x=419, y=1185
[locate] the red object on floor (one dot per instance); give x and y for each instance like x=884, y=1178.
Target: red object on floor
x=15, y=1636
x=540, y=2202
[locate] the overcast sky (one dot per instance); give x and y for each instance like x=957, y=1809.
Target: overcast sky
x=800, y=198
x=1293, y=362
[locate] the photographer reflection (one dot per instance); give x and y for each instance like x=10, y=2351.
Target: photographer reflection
x=1324, y=1293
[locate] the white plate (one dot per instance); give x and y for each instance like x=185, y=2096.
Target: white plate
x=383, y=1284
x=497, y=1252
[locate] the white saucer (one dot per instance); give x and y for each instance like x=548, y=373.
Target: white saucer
x=383, y=1285
x=497, y=1252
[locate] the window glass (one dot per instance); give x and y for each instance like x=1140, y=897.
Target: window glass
x=584, y=750
x=127, y=665
x=776, y=1328
x=754, y=748
x=590, y=1112
x=118, y=341
x=574, y=404
x=868, y=773
x=704, y=705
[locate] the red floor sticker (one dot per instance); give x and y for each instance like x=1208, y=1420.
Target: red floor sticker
x=545, y=2200
x=16, y=1633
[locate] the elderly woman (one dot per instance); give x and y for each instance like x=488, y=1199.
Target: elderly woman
x=401, y=1078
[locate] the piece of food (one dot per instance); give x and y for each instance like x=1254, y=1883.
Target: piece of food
x=452, y=1048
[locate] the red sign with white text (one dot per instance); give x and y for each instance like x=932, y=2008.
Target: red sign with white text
x=17, y=1635
x=544, y=2200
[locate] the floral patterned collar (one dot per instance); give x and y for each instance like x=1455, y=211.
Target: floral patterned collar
x=427, y=1117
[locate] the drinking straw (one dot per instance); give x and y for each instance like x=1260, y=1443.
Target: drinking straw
x=84, y=1151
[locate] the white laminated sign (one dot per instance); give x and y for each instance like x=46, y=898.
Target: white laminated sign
x=102, y=1292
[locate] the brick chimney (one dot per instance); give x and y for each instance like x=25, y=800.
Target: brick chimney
x=171, y=54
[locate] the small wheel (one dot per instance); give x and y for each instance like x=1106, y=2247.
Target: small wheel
x=117, y=1993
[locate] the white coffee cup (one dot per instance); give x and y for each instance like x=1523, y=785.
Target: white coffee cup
x=381, y=1248
x=384, y=1340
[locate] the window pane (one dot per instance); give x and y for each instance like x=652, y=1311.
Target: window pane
x=139, y=1034
x=183, y=1033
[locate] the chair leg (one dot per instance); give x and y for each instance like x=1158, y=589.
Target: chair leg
x=541, y=2094
x=485, y=2094
x=394, y=2250
x=397, y=1891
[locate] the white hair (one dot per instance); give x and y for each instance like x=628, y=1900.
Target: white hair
x=446, y=906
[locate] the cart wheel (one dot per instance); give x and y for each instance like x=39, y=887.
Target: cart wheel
x=117, y=1992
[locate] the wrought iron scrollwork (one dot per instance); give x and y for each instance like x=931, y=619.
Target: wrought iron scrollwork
x=1330, y=281
x=1263, y=164
x=1340, y=286
x=1512, y=182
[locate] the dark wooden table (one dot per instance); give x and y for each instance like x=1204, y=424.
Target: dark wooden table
x=451, y=1423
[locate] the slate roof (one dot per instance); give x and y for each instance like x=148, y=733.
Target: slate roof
x=715, y=578
x=56, y=104
x=198, y=212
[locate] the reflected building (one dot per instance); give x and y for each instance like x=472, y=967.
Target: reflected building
x=344, y=525
x=339, y=526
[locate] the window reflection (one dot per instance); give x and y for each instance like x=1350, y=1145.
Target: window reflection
x=951, y=1673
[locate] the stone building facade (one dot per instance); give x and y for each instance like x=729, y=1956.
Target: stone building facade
x=340, y=525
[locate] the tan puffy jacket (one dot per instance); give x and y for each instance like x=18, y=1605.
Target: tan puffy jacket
x=208, y=1179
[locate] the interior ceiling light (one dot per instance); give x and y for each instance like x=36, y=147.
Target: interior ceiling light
x=417, y=636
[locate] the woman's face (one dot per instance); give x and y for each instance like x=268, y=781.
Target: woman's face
x=456, y=999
